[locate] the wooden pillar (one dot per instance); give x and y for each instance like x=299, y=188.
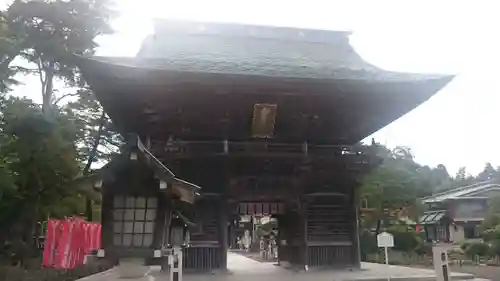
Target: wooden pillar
x=223, y=238
x=282, y=236
x=224, y=213
x=232, y=234
x=162, y=222
x=355, y=220
x=107, y=220
x=304, y=246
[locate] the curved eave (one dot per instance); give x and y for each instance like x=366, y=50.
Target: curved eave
x=150, y=68
x=111, y=77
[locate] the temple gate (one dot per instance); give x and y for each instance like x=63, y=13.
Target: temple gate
x=223, y=120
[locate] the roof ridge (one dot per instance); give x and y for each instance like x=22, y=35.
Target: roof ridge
x=163, y=22
x=484, y=186
x=459, y=188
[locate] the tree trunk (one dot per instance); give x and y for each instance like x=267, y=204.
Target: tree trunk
x=48, y=91
x=379, y=224
x=90, y=160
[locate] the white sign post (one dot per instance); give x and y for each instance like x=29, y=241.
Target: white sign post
x=386, y=240
x=440, y=260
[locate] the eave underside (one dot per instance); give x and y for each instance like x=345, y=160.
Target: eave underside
x=214, y=106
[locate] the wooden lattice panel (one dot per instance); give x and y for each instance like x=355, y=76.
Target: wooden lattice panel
x=330, y=256
x=134, y=221
x=328, y=220
x=207, y=219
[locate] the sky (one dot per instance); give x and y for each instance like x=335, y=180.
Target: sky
x=457, y=127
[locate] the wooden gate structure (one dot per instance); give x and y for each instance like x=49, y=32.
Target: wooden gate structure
x=263, y=119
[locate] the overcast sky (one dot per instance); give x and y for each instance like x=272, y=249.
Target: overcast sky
x=457, y=127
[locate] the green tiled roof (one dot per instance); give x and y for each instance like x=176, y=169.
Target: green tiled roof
x=258, y=50
x=432, y=217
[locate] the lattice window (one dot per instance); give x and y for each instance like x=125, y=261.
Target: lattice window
x=134, y=221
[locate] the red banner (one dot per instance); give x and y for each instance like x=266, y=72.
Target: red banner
x=52, y=238
x=68, y=241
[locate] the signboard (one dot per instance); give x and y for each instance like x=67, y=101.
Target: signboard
x=385, y=240
x=264, y=117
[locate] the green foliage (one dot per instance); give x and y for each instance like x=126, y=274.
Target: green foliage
x=368, y=243
x=267, y=228
x=492, y=218
x=38, y=167
x=495, y=248
x=464, y=245
x=8, y=51
x=393, y=189
x=48, y=35
x=475, y=249
x=406, y=239
x=488, y=173
x=423, y=248
x=491, y=226
x=97, y=139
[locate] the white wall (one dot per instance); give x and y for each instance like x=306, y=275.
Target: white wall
x=457, y=233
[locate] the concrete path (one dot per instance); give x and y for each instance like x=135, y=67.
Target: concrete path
x=241, y=265
x=245, y=269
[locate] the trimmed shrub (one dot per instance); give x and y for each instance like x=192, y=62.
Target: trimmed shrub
x=478, y=249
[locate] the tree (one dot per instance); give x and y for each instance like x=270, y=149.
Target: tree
x=8, y=49
x=41, y=165
x=51, y=33
x=488, y=173
x=48, y=35
x=461, y=174
x=393, y=189
x=406, y=239
x=463, y=178
x=492, y=218
x=97, y=139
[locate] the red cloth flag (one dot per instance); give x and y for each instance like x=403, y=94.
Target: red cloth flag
x=68, y=241
x=63, y=249
x=51, y=242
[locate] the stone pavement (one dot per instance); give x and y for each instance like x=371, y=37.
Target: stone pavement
x=244, y=269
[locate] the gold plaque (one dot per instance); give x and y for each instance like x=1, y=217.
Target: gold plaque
x=264, y=118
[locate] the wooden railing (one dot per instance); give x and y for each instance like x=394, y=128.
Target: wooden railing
x=200, y=148
x=329, y=256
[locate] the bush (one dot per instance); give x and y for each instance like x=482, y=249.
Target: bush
x=367, y=243
x=492, y=234
x=477, y=249
x=464, y=245
x=424, y=248
x=495, y=248
x=406, y=239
